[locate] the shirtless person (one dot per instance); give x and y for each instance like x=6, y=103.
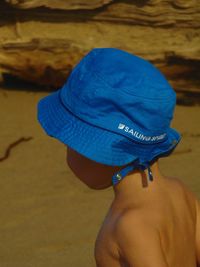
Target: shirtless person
x=155, y=224
x=114, y=115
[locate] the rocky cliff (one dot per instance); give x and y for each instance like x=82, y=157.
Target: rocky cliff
x=41, y=41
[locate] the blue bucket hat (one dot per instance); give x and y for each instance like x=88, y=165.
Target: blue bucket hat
x=115, y=108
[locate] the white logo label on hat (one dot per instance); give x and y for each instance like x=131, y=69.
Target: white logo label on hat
x=121, y=126
x=140, y=136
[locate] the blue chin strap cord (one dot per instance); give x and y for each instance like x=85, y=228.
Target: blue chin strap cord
x=117, y=177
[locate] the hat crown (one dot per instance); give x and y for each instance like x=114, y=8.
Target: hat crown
x=111, y=87
x=129, y=73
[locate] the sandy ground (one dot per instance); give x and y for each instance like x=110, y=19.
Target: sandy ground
x=48, y=218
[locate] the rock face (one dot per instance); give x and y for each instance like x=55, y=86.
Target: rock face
x=41, y=41
x=59, y=4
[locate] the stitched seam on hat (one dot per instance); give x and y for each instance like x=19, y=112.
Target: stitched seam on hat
x=149, y=98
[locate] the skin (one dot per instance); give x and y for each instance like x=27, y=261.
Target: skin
x=149, y=223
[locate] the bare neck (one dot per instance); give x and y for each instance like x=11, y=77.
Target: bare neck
x=136, y=188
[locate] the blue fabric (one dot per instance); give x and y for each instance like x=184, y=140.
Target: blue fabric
x=121, y=174
x=115, y=108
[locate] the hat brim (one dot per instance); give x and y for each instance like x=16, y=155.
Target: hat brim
x=93, y=142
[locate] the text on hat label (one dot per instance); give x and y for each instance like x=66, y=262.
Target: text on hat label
x=139, y=135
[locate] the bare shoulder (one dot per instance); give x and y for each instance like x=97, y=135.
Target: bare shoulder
x=195, y=205
x=186, y=194
x=130, y=230
x=105, y=249
x=128, y=225
x=128, y=218
x=179, y=184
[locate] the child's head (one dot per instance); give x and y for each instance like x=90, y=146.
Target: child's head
x=115, y=109
x=97, y=175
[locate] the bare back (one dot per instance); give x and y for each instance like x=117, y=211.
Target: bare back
x=174, y=211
